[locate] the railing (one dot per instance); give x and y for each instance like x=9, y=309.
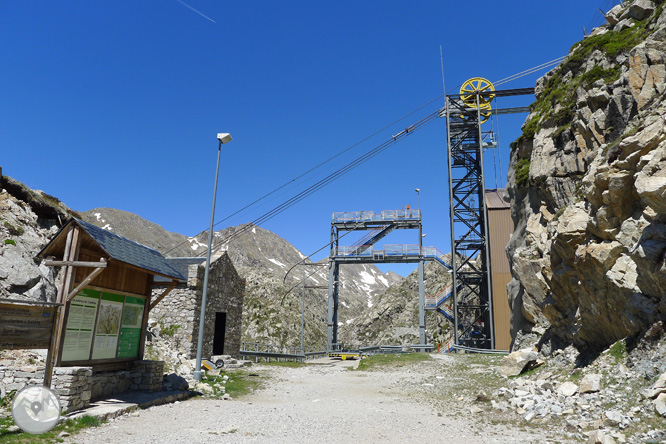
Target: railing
x=279, y=352
x=388, y=250
x=372, y=216
x=436, y=300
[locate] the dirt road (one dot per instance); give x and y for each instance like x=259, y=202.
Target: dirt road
x=320, y=403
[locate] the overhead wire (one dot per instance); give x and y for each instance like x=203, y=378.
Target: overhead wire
x=349, y=166
x=330, y=178
x=330, y=159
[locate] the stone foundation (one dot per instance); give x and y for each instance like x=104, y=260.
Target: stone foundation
x=72, y=385
x=76, y=386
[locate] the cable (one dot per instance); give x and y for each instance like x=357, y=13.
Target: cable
x=330, y=178
x=348, y=167
x=529, y=71
x=310, y=170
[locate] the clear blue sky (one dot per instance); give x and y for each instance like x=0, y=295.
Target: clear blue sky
x=118, y=103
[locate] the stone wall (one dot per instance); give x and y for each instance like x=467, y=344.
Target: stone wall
x=73, y=387
x=76, y=386
x=178, y=313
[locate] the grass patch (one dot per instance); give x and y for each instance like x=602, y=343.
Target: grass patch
x=71, y=426
x=14, y=230
x=395, y=360
x=561, y=95
x=240, y=383
x=522, y=172
x=169, y=330
x=618, y=351
x=10, y=242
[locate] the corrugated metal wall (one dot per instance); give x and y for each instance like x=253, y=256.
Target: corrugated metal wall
x=500, y=226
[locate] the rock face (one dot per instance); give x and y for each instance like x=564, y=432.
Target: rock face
x=135, y=227
x=28, y=219
x=393, y=317
x=589, y=199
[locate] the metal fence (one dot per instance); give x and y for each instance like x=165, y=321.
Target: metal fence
x=372, y=216
x=268, y=352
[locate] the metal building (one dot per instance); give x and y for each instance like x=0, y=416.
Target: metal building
x=500, y=227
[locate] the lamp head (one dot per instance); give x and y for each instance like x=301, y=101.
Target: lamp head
x=417, y=190
x=224, y=137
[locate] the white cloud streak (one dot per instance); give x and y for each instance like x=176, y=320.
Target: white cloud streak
x=198, y=12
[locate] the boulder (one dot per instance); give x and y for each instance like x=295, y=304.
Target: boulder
x=567, y=389
x=515, y=363
x=600, y=437
x=612, y=418
x=639, y=10
x=660, y=404
x=590, y=383
x=657, y=388
x=613, y=16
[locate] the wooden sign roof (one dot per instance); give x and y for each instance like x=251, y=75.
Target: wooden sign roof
x=116, y=247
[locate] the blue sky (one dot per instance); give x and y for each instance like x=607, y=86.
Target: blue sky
x=118, y=103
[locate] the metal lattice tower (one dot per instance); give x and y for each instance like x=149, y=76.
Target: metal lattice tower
x=472, y=301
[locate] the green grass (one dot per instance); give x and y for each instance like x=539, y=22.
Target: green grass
x=618, y=351
x=71, y=426
x=10, y=242
x=557, y=92
x=170, y=330
x=14, y=230
x=240, y=383
x=522, y=173
x=375, y=362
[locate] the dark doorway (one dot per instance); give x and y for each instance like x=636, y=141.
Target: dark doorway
x=220, y=330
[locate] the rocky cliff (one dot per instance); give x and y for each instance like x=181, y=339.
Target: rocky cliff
x=587, y=185
x=28, y=219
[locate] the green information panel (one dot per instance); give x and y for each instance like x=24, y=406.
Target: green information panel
x=103, y=325
x=130, y=330
x=80, y=326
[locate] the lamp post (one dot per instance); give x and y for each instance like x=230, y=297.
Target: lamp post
x=222, y=138
x=418, y=197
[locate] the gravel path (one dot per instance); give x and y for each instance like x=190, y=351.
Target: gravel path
x=316, y=403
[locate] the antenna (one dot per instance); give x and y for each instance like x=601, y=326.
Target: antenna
x=441, y=58
x=36, y=409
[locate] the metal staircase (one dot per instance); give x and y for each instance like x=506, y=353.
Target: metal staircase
x=372, y=238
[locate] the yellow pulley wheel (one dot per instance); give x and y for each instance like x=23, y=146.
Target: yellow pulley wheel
x=485, y=112
x=475, y=85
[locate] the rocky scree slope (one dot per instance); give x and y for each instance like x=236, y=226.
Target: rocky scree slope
x=587, y=185
x=394, y=318
x=141, y=230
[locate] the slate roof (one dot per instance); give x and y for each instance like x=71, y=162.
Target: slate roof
x=181, y=264
x=125, y=250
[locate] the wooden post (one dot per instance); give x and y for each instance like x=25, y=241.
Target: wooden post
x=71, y=254
x=146, y=312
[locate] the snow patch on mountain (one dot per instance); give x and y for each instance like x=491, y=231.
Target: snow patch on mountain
x=368, y=278
x=277, y=262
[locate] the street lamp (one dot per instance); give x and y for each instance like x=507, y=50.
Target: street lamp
x=418, y=197
x=222, y=138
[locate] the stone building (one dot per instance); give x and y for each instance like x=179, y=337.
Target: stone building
x=178, y=314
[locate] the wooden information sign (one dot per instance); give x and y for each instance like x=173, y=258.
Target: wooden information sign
x=25, y=326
